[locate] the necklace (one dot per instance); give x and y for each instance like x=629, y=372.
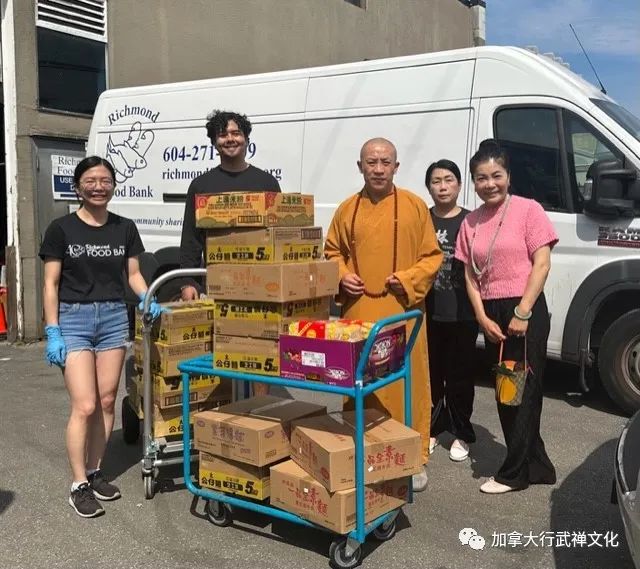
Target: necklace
x=395, y=242
x=481, y=273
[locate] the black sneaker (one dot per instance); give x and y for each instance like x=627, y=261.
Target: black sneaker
x=84, y=502
x=101, y=488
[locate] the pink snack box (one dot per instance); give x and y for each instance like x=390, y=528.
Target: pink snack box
x=334, y=362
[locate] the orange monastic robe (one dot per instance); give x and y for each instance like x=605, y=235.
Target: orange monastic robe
x=418, y=261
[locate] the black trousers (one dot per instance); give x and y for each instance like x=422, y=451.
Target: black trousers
x=451, y=357
x=527, y=461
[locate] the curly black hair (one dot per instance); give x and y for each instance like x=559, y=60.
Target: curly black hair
x=218, y=120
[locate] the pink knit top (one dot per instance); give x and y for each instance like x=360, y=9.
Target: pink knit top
x=524, y=230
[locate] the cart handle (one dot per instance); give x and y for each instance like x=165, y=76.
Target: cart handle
x=155, y=285
x=396, y=318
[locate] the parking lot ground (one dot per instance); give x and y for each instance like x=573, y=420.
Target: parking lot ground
x=571, y=525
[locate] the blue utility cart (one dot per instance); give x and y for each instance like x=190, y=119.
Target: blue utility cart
x=345, y=550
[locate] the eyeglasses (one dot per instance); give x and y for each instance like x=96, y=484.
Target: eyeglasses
x=92, y=184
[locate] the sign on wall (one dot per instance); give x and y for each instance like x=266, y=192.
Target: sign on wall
x=62, y=167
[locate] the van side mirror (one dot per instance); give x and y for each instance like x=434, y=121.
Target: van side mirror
x=611, y=190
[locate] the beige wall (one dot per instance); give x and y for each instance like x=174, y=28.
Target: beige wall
x=150, y=41
x=31, y=122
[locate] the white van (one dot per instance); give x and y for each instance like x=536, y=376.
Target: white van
x=572, y=148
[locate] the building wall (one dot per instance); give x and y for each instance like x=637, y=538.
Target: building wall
x=148, y=44
x=32, y=122
x=157, y=41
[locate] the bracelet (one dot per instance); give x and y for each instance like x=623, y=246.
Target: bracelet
x=519, y=316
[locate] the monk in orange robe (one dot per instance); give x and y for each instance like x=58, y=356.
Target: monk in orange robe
x=388, y=254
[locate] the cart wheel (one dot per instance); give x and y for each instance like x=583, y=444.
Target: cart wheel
x=338, y=556
x=382, y=533
x=149, y=486
x=219, y=514
x=130, y=423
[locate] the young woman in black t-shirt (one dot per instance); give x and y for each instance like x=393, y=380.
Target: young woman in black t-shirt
x=86, y=255
x=451, y=329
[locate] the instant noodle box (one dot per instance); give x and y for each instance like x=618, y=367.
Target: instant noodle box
x=335, y=361
x=265, y=319
x=220, y=389
x=268, y=245
x=185, y=322
x=168, y=422
x=296, y=491
x=253, y=209
x=233, y=477
x=254, y=431
x=164, y=358
x=324, y=447
x=247, y=355
x=272, y=283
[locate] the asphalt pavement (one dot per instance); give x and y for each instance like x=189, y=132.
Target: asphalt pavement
x=571, y=525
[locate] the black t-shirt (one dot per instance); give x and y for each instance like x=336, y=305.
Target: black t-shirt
x=216, y=181
x=94, y=259
x=447, y=300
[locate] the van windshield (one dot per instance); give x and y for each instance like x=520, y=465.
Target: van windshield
x=622, y=116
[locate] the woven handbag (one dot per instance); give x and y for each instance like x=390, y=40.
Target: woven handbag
x=511, y=377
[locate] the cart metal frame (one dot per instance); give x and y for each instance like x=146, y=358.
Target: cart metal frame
x=157, y=452
x=345, y=551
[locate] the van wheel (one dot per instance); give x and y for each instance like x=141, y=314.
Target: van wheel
x=619, y=361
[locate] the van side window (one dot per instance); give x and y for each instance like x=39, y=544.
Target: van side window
x=531, y=137
x=584, y=147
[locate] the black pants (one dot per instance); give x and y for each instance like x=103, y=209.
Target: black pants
x=527, y=461
x=451, y=356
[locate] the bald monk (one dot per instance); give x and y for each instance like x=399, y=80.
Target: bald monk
x=387, y=250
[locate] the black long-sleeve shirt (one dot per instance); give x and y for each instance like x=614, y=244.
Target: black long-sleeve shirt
x=216, y=181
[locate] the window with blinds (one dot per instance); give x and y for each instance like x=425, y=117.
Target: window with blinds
x=72, y=38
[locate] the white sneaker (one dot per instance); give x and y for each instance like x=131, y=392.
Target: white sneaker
x=459, y=451
x=419, y=481
x=433, y=443
x=493, y=487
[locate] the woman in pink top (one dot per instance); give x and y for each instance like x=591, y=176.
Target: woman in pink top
x=505, y=245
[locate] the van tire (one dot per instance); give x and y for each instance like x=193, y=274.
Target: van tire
x=619, y=361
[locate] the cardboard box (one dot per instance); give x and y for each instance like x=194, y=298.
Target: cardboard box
x=267, y=245
x=294, y=490
x=272, y=283
x=254, y=431
x=325, y=448
x=220, y=390
x=248, y=355
x=265, y=319
x=186, y=322
x=233, y=477
x=164, y=358
x=334, y=361
x=168, y=422
x=253, y=209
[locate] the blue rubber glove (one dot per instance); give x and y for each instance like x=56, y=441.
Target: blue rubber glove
x=155, y=309
x=56, y=352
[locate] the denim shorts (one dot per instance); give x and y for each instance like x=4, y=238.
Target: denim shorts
x=95, y=326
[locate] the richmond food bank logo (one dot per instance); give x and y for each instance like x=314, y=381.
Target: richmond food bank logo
x=127, y=150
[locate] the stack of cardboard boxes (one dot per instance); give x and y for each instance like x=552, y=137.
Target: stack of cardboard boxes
x=264, y=269
x=318, y=482
x=238, y=442
x=185, y=331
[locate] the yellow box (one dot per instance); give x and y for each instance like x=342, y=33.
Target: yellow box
x=233, y=477
x=248, y=355
x=164, y=358
x=185, y=322
x=253, y=209
x=266, y=319
x=264, y=245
